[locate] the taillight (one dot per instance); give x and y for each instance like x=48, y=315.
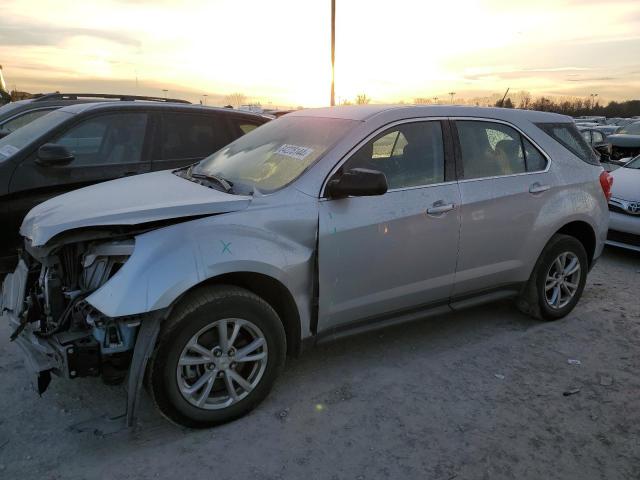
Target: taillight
x=606, y=181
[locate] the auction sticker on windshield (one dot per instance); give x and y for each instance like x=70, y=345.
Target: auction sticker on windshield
x=294, y=151
x=8, y=150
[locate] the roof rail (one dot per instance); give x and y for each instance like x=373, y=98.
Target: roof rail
x=124, y=98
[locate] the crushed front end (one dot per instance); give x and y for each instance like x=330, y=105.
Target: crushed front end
x=58, y=331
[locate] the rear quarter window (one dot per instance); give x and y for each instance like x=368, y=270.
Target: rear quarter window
x=567, y=135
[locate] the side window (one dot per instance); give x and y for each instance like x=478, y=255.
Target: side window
x=411, y=154
x=108, y=139
x=587, y=136
x=567, y=135
x=534, y=159
x=598, y=137
x=22, y=120
x=189, y=136
x=490, y=149
x=246, y=127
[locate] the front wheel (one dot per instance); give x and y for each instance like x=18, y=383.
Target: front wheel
x=557, y=281
x=217, y=357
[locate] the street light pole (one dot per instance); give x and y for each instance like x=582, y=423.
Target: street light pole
x=333, y=50
x=452, y=94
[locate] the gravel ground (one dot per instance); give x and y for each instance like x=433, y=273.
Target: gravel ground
x=478, y=394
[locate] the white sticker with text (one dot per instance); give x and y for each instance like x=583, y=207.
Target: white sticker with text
x=8, y=150
x=294, y=151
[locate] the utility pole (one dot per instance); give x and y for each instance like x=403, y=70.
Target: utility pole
x=165, y=92
x=593, y=100
x=205, y=98
x=452, y=94
x=435, y=100
x=333, y=51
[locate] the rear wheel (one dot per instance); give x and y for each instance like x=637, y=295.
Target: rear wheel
x=217, y=357
x=557, y=281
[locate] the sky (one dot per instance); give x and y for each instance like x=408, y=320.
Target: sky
x=277, y=52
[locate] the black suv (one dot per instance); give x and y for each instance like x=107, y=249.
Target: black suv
x=15, y=115
x=82, y=144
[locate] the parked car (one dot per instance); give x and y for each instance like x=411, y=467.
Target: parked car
x=597, y=140
x=18, y=114
x=624, y=206
x=607, y=129
x=625, y=143
x=319, y=224
x=79, y=145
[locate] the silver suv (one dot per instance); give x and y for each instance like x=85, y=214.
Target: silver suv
x=316, y=225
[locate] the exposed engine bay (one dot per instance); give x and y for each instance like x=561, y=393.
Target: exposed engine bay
x=75, y=339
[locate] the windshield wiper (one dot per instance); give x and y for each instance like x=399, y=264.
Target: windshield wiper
x=225, y=184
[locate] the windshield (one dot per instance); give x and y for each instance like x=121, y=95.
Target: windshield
x=17, y=140
x=633, y=163
x=275, y=154
x=633, y=129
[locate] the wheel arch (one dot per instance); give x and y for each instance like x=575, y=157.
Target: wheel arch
x=584, y=233
x=271, y=290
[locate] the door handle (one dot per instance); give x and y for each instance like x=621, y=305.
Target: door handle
x=440, y=207
x=538, y=188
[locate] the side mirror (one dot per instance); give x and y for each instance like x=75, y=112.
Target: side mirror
x=357, y=182
x=51, y=154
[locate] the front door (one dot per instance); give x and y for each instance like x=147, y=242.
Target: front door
x=105, y=147
x=390, y=253
x=186, y=138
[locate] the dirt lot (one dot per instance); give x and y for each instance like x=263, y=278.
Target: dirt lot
x=478, y=394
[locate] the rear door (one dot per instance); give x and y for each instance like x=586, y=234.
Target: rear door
x=105, y=146
x=185, y=138
x=384, y=255
x=504, y=180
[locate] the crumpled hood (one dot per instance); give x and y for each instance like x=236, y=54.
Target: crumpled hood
x=626, y=184
x=133, y=200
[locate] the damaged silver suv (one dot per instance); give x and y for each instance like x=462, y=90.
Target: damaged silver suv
x=316, y=225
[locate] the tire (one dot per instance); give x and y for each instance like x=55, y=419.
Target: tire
x=202, y=314
x=536, y=298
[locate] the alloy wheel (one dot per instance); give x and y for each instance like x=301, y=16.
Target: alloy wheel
x=562, y=281
x=222, y=363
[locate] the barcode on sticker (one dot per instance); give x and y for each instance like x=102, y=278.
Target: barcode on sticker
x=294, y=151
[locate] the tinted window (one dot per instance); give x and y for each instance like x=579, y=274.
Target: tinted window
x=411, y=154
x=534, y=160
x=490, y=149
x=24, y=119
x=107, y=139
x=17, y=140
x=567, y=135
x=191, y=136
x=246, y=127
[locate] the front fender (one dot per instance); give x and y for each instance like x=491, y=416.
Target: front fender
x=167, y=262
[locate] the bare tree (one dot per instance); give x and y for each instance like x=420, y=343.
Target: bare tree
x=362, y=99
x=422, y=101
x=525, y=99
x=236, y=99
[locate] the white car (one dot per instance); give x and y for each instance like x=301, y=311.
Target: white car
x=624, y=206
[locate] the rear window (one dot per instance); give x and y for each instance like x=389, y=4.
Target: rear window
x=567, y=135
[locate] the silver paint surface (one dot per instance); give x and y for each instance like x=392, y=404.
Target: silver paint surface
x=375, y=254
